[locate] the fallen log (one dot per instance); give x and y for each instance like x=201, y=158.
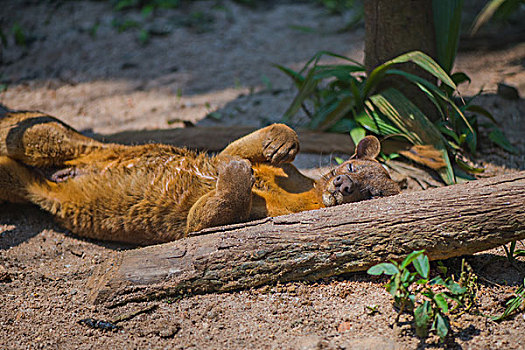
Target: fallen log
x=447, y=222
x=215, y=139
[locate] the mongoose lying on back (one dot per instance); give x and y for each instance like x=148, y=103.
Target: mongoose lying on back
x=156, y=193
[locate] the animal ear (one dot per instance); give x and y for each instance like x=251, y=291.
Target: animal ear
x=369, y=147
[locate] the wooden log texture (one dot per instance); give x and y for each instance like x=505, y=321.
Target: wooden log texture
x=215, y=139
x=447, y=222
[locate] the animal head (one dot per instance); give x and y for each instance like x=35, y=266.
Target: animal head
x=360, y=177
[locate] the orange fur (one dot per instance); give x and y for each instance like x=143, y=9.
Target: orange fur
x=156, y=193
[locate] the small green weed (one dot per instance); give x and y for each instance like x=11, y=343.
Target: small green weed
x=512, y=253
x=19, y=35
x=428, y=300
x=513, y=304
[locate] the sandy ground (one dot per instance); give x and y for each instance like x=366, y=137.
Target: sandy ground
x=109, y=82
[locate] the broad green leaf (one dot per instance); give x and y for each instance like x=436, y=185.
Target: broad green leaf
x=417, y=57
x=497, y=136
x=437, y=281
x=422, y=318
x=459, y=78
x=371, y=121
x=429, y=87
x=441, y=302
x=455, y=288
x=357, y=134
x=441, y=326
x=422, y=265
x=447, y=21
x=386, y=268
x=411, y=257
x=414, y=125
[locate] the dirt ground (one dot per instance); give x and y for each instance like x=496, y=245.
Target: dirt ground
x=77, y=66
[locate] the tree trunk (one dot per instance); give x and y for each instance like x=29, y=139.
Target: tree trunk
x=395, y=27
x=446, y=222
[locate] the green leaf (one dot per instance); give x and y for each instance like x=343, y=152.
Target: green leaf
x=459, y=78
x=393, y=286
x=357, y=134
x=308, y=87
x=414, y=125
x=297, y=78
x=422, y=266
x=371, y=121
x=422, y=319
x=485, y=14
x=417, y=57
x=437, y=281
x=441, y=302
x=497, y=136
x=411, y=257
x=18, y=33
x=441, y=326
x=344, y=106
x=447, y=22
x=455, y=288
x=467, y=167
x=386, y=268
x=343, y=126
x=435, y=91
x=480, y=110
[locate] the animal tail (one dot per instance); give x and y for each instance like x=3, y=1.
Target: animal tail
x=19, y=182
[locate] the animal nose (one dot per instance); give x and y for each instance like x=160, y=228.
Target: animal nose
x=344, y=184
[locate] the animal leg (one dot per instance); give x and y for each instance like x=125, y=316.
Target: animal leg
x=273, y=144
x=42, y=141
x=229, y=203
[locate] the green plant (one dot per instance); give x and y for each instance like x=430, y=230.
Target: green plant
x=513, y=304
x=512, y=253
x=145, y=4
x=426, y=299
x=19, y=35
x=337, y=6
x=343, y=98
x=495, y=8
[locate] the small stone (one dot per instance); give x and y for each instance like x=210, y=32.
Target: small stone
x=169, y=332
x=344, y=326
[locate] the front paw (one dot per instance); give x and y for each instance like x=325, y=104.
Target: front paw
x=281, y=144
x=235, y=175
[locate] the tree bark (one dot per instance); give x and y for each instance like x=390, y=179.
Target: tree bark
x=215, y=139
x=446, y=222
x=395, y=27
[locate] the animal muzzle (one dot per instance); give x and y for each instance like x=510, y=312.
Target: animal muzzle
x=342, y=189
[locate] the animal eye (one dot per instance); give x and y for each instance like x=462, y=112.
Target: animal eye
x=351, y=168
